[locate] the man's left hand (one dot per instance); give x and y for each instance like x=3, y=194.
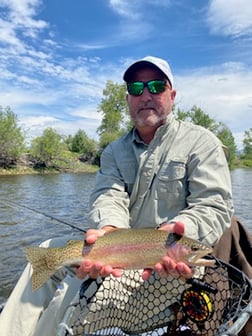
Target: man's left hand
x=168, y=266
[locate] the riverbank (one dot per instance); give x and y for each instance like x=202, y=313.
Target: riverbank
x=73, y=164
x=74, y=167
x=25, y=170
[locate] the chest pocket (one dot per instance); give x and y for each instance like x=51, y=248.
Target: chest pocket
x=172, y=178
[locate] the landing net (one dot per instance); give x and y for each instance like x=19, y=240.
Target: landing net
x=213, y=304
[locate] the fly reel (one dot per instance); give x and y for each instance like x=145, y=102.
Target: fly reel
x=197, y=305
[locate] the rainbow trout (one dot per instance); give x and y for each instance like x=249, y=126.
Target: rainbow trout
x=125, y=248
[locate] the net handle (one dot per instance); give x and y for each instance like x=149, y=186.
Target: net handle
x=240, y=322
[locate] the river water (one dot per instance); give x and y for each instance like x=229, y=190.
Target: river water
x=65, y=197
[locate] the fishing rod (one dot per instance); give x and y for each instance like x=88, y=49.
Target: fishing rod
x=13, y=203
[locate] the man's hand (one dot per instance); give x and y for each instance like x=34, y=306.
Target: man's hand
x=93, y=270
x=168, y=266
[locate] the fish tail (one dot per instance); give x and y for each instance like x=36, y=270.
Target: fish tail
x=38, y=257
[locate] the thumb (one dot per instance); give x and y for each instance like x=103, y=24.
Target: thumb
x=92, y=235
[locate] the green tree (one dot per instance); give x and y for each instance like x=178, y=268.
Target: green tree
x=47, y=147
x=226, y=137
x=115, y=115
x=247, y=144
x=11, y=138
x=180, y=114
x=198, y=117
x=81, y=143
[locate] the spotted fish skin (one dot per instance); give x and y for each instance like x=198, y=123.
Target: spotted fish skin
x=46, y=261
x=124, y=248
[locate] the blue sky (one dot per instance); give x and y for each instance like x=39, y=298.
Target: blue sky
x=57, y=55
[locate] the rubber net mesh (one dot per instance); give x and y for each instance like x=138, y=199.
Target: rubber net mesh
x=131, y=306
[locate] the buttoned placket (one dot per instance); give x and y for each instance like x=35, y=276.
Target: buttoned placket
x=148, y=165
x=149, y=162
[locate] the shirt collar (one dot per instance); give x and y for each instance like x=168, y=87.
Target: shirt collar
x=161, y=131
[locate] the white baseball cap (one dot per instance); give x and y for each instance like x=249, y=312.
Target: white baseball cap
x=155, y=62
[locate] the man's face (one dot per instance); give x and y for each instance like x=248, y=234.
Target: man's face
x=149, y=111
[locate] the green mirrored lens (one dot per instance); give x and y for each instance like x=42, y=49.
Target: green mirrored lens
x=136, y=88
x=156, y=86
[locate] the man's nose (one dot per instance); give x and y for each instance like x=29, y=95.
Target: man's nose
x=146, y=95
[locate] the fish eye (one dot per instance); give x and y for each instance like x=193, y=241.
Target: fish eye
x=195, y=248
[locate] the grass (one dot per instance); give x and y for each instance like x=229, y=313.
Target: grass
x=68, y=163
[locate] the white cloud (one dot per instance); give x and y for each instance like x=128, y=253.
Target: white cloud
x=21, y=99
x=87, y=120
x=223, y=92
x=125, y=8
x=33, y=126
x=136, y=21
x=87, y=112
x=88, y=125
x=20, y=14
x=39, y=121
x=230, y=18
x=8, y=36
x=133, y=10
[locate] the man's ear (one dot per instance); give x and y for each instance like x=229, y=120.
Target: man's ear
x=173, y=94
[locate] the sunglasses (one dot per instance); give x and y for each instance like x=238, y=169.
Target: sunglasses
x=154, y=86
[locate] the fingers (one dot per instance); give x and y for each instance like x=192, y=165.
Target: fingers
x=146, y=274
x=93, y=234
x=169, y=267
x=84, y=269
x=178, y=228
x=184, y=270
x=108, y=270
x=94, y=270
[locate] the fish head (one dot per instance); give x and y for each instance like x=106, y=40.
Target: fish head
x=187, y=250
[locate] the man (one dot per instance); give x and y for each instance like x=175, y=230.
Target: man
x=164, y=174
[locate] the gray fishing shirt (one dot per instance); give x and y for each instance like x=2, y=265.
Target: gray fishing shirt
x=182, y=175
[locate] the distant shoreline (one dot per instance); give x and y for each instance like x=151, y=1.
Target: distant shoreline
x=23, y=170
x=80, y=167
